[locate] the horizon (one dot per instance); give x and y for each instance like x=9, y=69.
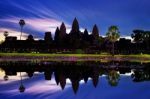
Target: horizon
x=50, y=14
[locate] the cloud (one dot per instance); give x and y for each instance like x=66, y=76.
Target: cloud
x=34, y=26
x=42, y=16
x=36, y=10
x=38, y=24
x=39, y=16
x=44, y=24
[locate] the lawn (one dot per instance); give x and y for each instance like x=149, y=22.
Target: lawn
x=74, y=57
x=51, y=55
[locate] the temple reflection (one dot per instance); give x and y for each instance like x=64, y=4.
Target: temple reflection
x=77, y=71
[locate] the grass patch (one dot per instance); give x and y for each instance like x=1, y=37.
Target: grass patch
x=76, y=57
x=50, y=55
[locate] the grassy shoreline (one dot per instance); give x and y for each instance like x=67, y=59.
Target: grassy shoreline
x=51, y=55
x=73, y=57
x=77, y=55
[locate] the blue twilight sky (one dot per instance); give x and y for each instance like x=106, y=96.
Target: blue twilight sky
x=39, y=88
x=46, y=15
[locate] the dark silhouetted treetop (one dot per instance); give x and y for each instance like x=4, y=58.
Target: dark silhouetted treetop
x=75, y=26
x=48, y=37
x=113, y=33
x=137, y=35
x=113, y=29
x=6, y=33
x=95, y=31
x=146, y=37
x=30, y=38
x=21, y=22
x=113, y=78
x=146, y=34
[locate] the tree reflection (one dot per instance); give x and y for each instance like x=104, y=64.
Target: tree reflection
x=77, y=71
x=5, y=77
x=140, y=75
x=113, y=77
x=21, y=88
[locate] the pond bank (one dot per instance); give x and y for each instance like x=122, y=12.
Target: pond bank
x=71, y=57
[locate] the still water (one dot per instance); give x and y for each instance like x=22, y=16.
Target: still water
x=74, y=80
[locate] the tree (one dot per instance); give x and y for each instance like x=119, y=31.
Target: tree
x=6, y=33
x=6, y=77
x=113, y=77
x=21, y=23
x=137, y=36
x=30, y=38
x=146, y=37
x=113, y=34
x=30, y=43
x=21, y=88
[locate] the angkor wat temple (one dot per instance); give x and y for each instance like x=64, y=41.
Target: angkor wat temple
x=73, y=42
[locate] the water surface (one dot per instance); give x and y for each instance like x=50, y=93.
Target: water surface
x=74, y=80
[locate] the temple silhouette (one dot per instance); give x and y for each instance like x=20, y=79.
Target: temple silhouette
x=77, y=71
x=78, y=42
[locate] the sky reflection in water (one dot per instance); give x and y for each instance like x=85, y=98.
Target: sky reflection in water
x=39, y=88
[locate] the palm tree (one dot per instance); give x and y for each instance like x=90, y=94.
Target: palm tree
x=21, y=88
x=113, y=78
x=5, y=77
x=21, y=23
x=6, y=33
x=113, y=34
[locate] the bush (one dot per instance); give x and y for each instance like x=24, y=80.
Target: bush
x=79, y=51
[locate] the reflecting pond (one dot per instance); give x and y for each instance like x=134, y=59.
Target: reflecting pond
x=74, y=80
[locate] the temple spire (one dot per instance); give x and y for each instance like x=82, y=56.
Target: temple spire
x=62, y=30
x=75, y=26
x=95, y=31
